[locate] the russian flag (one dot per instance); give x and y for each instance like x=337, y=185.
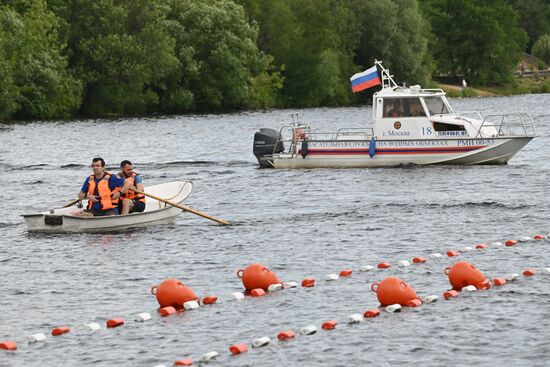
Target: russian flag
x=366, y=79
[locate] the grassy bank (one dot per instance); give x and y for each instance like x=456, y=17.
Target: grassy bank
x=518, y=86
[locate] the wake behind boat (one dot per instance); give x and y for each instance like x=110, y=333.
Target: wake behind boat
x=411, y=126
x=156, y=212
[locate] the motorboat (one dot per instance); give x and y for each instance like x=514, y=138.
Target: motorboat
x=411, y=126
x=70, y=219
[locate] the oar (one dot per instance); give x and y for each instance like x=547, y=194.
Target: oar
x=182, y=207
x=71, y=203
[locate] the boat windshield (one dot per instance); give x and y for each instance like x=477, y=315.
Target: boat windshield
x=436, y=106
x=403, y=107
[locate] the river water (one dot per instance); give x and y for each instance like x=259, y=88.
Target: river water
x=299, y=223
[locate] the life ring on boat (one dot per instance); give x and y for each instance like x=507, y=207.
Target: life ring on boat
x=299, y=134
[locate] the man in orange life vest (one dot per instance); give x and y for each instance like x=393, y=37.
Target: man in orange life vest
x=131, y=202
x=102, y=189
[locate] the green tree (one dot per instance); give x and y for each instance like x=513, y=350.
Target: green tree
x=34, y=79
x=541, y=48
x=221, y=65
x=478, y=39
x=534, y=17
x=121, y=50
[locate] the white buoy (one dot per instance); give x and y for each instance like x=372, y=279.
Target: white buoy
x=497, y=244
x=366, y=268
x=524, y=239
x=467, y=248
x=275, y=287
x=191, y=305
x=436, y=255
x=430, y=299
x=93, y=326
x=144, y=316
x=331, y=277
x=38, y=337
x=290, y=285
x=308, y=330
x=393, y=308
x=403, y=263
x=355, y=318
x=260, y=342
x=469, y=288
x=208, y=356
x=237, y=295
x=546, y=270
x=512, y=277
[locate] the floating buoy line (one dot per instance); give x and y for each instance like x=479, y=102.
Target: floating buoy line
x=392, y=293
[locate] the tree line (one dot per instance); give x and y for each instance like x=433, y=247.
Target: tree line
x=67, y=58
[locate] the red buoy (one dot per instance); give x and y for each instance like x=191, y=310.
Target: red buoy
x=329, y=325
x=285, y=335
x=463, y=274
x=452, y=253
x=308, y=283
x=238, y=348
x=60, y=330
x=183, y=362
x=8, y=345
x=393, y=290
x=346, y=273
x=258, y=292
x=480, y=246
x=209, y=300
x=450, y=294
x=172, y=292
x=510, y=242
x=167, y=311
x=114, y=323
x=419, y=259
x=539, y=237
x=384, y=265
x=529, y=272
x=499, y=281
x=257, y=276
x=414, y=303
x=371, y=313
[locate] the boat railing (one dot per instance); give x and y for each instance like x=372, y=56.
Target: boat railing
x=353, y=131
x=508, y=124
x=475, y=114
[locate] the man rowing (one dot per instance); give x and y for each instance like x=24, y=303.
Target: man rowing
x=130, y=201
x=102, y=189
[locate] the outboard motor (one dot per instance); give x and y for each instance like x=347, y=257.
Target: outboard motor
x=267, y=142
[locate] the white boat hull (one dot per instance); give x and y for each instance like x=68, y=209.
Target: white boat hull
x=64, y=221
x=388, y=153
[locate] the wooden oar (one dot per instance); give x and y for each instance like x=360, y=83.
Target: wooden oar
x=182, y=207
x=71, y=203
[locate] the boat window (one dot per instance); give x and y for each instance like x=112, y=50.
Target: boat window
x=436, y=106
x=439, y=126
x=403, y=107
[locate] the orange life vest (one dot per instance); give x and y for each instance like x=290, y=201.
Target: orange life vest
x=103, y=191
x=131, y=194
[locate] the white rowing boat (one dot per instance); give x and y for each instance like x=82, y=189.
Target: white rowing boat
x=156, y=212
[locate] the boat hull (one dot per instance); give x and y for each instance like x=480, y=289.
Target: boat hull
x=64, y=221
x=388, y=153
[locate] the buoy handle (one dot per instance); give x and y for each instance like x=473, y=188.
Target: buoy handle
x=266, y=270
x=154, y=290
x=403, y=284
x=447, y=269
x=374, y=287
x=240, y=273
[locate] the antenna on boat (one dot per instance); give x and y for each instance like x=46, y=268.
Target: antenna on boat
x=387, y=78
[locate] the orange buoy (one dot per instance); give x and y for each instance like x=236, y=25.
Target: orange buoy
x=167, y=311
x=414, y=303
x=346, y=273
x=452, y=253
x=238, y=348
x=529, y=272
x=183, y=362
x=329, y=325
x=209, y=300
x=371, y=313
x=463, y=274
x=419, y=259
x=172, y=292
x=308, y=283
x=384, y=265
x=480, y=246
x=114, y=323
x=450, y=294
x=285, y=335
x=393, y=290
x=257, y=276
x=258, y=292
x=499, y=281
x=539, y=237
x=8, y=345
x=510, y=242
x=60, y=330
